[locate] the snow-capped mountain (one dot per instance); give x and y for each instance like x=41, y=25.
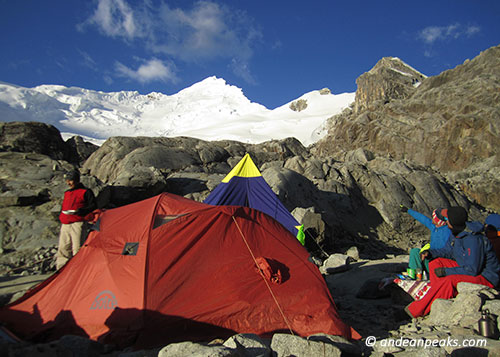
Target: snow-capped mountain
x=208, y=110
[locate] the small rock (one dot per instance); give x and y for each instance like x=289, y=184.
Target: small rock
x=353, y=252
x=335, y=263
x=489, y=294
x=289, y=345
x=196, y=350
x=465, y=288
x=439, y=312
x=345, y=345
x=249, y=345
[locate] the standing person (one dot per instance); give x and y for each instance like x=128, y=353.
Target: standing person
x=440, y=234
x=466, y=257
x=77, y=203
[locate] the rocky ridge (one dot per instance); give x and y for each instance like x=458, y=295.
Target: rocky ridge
x=357, y=199
x=451, y=122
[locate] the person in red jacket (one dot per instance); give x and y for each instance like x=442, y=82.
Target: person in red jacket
x=78, y=202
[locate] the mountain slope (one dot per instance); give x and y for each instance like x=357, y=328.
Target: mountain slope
x=209, y=110
x=450, y=122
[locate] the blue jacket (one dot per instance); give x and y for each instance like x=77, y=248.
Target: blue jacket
x=494, y=220
x=439, y=235
x=474, y=255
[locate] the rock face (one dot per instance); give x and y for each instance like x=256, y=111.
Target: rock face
x=451, y=122
x=349, y=202
x=356, y=197
x=43, y=139
x=81, y=149
x=390, y=79
x=33, y=137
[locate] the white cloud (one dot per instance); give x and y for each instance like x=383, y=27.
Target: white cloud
x=152, y=70
x=114, y=18
x=432, y=34
x=200, y=33
x=208, y=31
x=240, y=69
x=428, y=53
x=87, y=60
x=472, y=30
x=107, y=79
x=204, y=32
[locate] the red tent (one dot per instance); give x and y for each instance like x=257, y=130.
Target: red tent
x=170, y=269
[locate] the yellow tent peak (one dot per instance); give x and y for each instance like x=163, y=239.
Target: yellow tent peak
x=244, y=168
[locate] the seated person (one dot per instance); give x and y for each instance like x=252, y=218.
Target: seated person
x=466, y=257
x=440, y=234
x=492, y=231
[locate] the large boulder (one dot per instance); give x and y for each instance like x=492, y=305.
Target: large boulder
x=361, y=197
x=34, y=137
x=289, y=345
x=81, y=148
x=124, y=156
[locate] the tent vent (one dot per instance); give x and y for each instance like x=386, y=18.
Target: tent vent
x=130, y=248
x=161, y=219
x=95, y=226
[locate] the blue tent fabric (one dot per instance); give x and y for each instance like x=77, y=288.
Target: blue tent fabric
x=253, y=192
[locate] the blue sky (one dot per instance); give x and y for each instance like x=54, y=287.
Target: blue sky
x=274, y=50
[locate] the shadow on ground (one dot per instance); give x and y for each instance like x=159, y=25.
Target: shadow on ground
x=369, y=310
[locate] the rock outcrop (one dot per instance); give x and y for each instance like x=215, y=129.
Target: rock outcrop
x=31, y=189
x=451, y=122
x=45, y=139
x=34, y=137
x=390, y=79
x=81, y=149
x=298, y=105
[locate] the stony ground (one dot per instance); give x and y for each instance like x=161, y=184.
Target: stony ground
x=373, y=313
x=361, y=305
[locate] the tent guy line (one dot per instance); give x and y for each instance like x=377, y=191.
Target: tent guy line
x=263, y=277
